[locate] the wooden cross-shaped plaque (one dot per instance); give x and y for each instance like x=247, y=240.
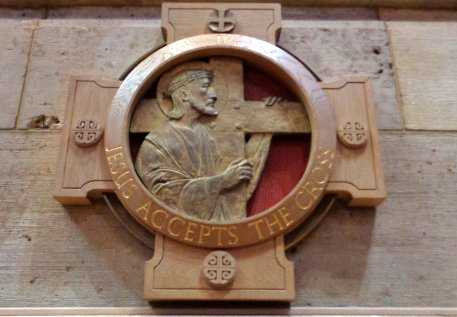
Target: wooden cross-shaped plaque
x=183, y=147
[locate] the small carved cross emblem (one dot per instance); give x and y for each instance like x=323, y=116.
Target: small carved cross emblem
x=87, y=133
x=222, y=21
x=353, y=134
x=219, y=269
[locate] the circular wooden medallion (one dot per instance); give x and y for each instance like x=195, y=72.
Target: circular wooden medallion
x=279, y=219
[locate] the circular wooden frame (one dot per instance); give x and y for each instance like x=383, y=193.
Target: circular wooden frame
x=279, y=219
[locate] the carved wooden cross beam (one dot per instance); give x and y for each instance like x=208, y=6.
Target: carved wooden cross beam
x=235, y=113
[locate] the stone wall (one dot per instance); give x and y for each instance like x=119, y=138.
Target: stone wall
x=416, y=4
x=402, y=254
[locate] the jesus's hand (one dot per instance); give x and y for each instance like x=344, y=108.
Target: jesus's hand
x=238, y=171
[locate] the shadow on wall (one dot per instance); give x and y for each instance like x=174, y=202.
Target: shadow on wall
x=331, y=263
x=115, y=259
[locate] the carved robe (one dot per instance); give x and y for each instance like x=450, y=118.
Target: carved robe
x=181, y=166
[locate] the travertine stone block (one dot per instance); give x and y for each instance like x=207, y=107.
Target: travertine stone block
x=443, y=4
x=76, y=42
x=333, y=45
x=16, y=28
x=105, y=15
x=52, y=255
x=424, y=46
x=402, y=254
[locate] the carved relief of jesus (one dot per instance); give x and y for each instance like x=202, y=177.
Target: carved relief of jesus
x=180, y=162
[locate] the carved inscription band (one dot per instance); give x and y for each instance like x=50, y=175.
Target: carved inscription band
x=281, y=218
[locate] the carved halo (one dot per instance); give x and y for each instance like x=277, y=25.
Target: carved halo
x=289, y=212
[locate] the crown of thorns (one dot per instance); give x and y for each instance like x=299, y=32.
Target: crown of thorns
x=187, y=77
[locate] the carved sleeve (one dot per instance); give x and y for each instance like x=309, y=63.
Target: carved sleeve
x=164, y=177
x=200, y=197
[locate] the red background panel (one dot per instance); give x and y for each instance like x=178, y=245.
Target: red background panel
x=288, y=154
